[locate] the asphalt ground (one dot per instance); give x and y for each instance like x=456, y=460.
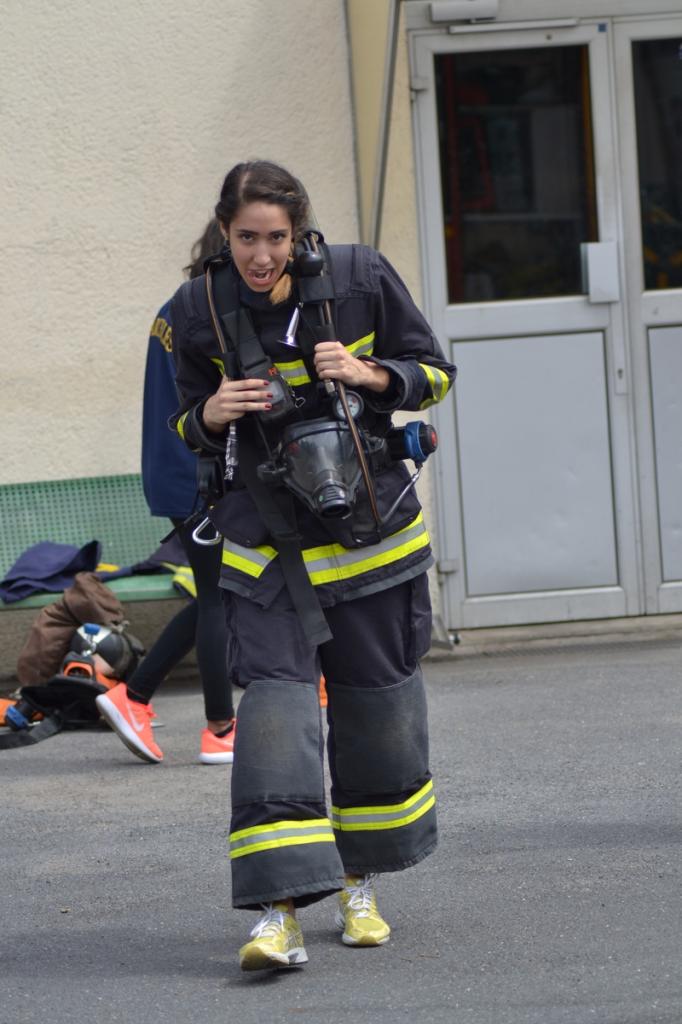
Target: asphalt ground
x=553, y=898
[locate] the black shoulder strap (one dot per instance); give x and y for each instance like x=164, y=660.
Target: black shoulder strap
x=233, y=324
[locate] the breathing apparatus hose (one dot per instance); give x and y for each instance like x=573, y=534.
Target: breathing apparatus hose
x=338, y=388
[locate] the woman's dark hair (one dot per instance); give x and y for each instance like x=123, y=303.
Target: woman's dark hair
x=261, y=181
x=210, y=243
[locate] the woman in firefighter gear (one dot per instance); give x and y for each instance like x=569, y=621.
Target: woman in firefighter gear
x=366, y=569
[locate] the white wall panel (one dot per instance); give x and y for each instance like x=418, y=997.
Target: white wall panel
x=532, y=426
x=665, y=354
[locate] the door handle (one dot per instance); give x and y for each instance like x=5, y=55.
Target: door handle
x=599, y=264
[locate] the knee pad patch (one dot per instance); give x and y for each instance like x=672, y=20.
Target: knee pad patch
x=380, y=736
x=278, y=749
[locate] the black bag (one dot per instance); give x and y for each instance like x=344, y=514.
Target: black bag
x=66, y=701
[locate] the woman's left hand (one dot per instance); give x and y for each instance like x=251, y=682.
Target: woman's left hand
x=333, y=361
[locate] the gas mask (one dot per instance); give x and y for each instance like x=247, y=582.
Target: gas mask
x=318, y=463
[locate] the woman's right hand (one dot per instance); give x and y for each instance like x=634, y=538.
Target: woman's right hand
x=233, y=399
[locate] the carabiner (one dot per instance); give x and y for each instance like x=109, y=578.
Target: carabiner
x=205, y=543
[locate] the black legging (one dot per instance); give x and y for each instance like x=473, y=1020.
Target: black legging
x=200, y=623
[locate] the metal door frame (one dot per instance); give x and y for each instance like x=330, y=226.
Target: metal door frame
x=645, y=309
x=460, y=611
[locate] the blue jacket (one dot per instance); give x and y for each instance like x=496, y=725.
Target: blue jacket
x=169, y=469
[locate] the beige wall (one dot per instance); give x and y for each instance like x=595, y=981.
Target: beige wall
x=368, y=32
x=399, y=240
x=118, y=123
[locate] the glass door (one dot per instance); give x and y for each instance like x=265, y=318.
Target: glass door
x=522, y=259
x=516, y=171
x=649, y=87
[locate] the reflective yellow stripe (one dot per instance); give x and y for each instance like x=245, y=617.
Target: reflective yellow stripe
x=363, y=346
x=333, y=563
x=179, y=570
x=274, y=844
x=295, y=373
x=185, y=583
x=373, y=826
x=180, y=425
x=383, y=808
x=183, y=577
x=361, y=819
x=439, y=383
x=279, y=834
x=252, y=561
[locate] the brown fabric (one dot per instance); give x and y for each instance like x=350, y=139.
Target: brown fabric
x=86, y=600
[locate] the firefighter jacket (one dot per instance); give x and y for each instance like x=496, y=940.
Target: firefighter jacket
x=376, y=319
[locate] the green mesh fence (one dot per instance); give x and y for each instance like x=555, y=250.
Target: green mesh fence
x=110, y=509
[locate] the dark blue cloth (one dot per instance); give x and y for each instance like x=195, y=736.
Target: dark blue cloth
x=169, y=552
x=169, y=468
x=48, y=568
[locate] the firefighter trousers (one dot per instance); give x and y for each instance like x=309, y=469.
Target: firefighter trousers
x=284, y=841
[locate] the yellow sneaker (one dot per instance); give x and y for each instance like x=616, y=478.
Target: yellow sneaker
x=358, y=916
x=276, y=941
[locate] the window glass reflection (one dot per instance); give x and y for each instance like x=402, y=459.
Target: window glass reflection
x=658, y=110
x=517, y=171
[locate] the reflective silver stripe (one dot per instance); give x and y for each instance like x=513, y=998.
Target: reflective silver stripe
x=334, y=562
x=363, y=346
x=280, y=834
x=252, y=561
x=439, y=382
x=356, y=819
x=295, y=373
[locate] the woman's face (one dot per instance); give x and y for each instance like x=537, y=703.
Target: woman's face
x=260, y=237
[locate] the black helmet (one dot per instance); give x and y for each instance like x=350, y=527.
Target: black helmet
x=120, y=650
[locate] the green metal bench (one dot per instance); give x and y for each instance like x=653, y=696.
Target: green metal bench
x=110, y=509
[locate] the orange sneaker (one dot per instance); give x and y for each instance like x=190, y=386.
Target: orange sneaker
x=218, y=749
x=323, y=692
x=131, y=721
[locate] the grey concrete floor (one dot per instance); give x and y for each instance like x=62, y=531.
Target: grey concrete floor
x=553, y=898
